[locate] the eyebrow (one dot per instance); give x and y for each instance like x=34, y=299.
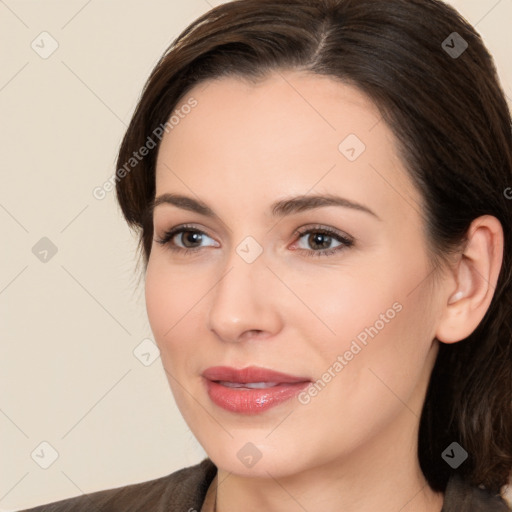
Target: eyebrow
x=279, y=208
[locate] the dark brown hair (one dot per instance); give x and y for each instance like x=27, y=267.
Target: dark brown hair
x=453, y=126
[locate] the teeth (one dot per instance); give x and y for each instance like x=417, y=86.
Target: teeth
x=250, y=385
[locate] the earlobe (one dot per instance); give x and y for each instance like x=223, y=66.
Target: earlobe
x=476, y=275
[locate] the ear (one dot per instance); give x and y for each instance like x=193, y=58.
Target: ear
x=475, y=274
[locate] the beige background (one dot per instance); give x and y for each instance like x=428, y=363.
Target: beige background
x=70, y=325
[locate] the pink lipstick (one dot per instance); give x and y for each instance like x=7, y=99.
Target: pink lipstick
x=251, y=390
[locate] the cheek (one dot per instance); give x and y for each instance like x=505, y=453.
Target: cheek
x=377, y=312
x=172, y=306
x=173, y=310
x=384, y=289
x=343, y=301
x=160, y=305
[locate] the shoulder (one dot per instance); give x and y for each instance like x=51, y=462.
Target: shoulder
x=460, y=496
x=182, y=490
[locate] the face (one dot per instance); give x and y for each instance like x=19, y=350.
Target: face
x=334, y=292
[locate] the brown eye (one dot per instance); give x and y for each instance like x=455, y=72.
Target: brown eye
x=189, y=238
x=319, y=241
x=185, y=238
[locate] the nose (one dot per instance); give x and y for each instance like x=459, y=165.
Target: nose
x=244, y=302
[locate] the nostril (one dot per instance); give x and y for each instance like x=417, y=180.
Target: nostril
x=253, y=332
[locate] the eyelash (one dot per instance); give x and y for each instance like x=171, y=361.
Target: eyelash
x=345, y=240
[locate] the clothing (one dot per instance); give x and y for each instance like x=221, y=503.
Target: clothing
x=185, y=491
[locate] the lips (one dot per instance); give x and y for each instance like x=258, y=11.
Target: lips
x=251, y=390
x=250, y=375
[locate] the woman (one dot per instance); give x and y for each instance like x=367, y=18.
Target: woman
x=322, y=192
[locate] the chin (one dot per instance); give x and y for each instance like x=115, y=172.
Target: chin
x=254, y=455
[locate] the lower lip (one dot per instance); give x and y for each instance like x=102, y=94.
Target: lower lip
x=252, y=401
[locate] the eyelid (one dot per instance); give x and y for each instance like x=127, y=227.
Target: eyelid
x=346, y=241
x=169, y=234
x=335, y=233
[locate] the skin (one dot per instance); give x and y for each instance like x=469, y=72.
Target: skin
x=353, y=447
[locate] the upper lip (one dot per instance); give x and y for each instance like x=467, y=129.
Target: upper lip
x=249, y=374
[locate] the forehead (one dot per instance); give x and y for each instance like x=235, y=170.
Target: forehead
x=287, y=134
